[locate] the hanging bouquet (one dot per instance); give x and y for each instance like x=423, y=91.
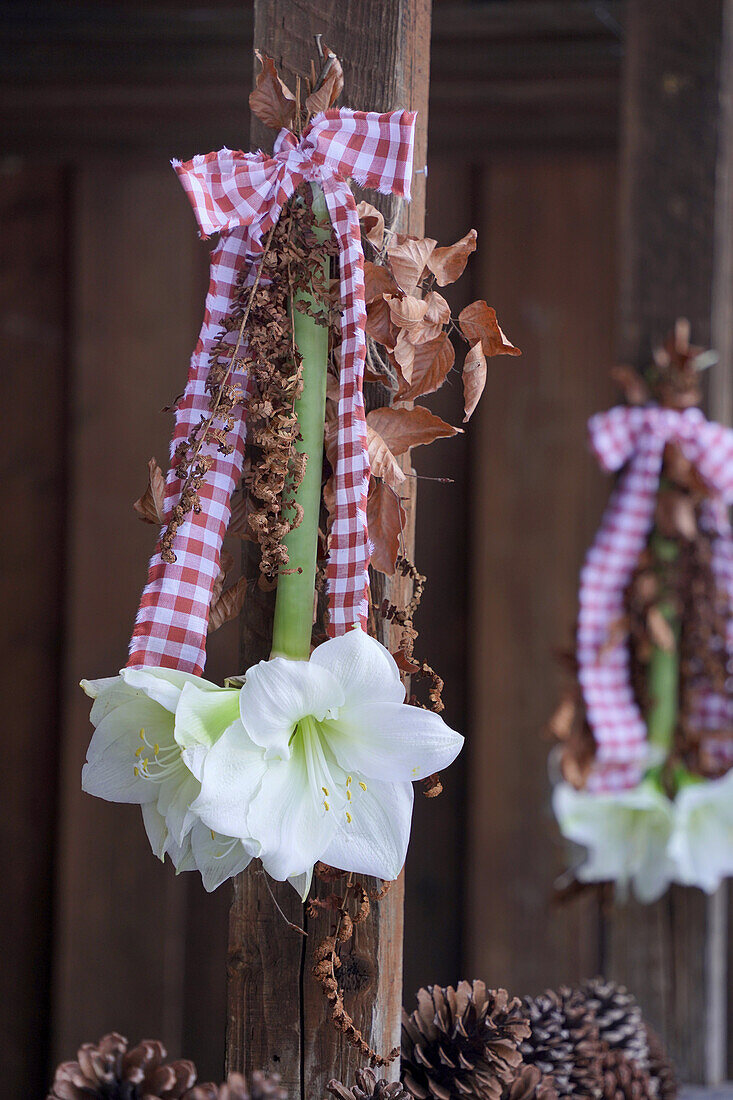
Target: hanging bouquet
x=646, y=731
x=311, y=756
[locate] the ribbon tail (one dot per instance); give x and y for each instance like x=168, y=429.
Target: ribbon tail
x=348, y=563
x=618, y=726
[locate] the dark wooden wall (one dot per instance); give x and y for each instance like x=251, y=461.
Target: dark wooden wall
x=101, y=295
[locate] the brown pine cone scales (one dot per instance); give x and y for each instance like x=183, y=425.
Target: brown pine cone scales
x=661, y=1070
x=618, y=1018
x=261, y=1087
x=462, y=1042
x=563, y=1042
x=622, y=1079
x=530, y=1084
x=109, y=1071
x=367, y=1087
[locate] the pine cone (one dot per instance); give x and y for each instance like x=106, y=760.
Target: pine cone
x=661, y=1070
x=462, y=1042
x=618, y=1018
x=367, y=1087
x=529, y=1084
x=109, y=1071
x=563, y=1042
x=622, y=1079
x=261, y=1087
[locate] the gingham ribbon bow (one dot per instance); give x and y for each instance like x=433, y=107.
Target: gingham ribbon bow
x=240, y=196
x=637, y=437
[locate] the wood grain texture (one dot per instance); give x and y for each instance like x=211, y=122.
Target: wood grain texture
x=33, y=254
x=676, y=261
x=122, y=920
x=276, y=1011
x=548, y=267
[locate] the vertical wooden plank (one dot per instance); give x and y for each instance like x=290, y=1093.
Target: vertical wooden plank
x=676, y=261
x=32, y=393
x=138, y=279
x=435, y=864
x=386, y=63
x=549, y=269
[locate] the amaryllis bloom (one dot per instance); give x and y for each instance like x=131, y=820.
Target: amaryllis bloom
x=702, y=842
x=321, y=762
x=626, y=834
x=137, y=755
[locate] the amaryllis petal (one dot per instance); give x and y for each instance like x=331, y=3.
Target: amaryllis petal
x=375, y=841
x=107, y=693
x=363, y=667
x=203, y=715
x=230, y=777
x=174, y=802
x=109, y=772
x=701, y=845
x=278, y=693
x=302, y=883
x=392, y=741
x=217, y=857
x=164, y=685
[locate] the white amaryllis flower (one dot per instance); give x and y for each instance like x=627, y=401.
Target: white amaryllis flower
x=143, y=752
x=320, y=764
x=702, y=842
x=626, y=834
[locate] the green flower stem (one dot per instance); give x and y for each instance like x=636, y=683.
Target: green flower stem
x=664, y=668
x=291, y=636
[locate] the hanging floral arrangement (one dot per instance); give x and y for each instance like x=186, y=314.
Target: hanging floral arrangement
x=308, y=759
x=646, y=730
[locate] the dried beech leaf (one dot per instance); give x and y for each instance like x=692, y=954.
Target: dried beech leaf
x=660, y=632
x=149, y=506
x=226, y=563
x=406, y=312
x=377, y=281
x=431, y=365
x=447, y=264
x=329, y=498
x=478, y=322
x=379, y=324
x=437, y=315
x=675, y=515
x=381, y=460
x=330, y=86
x=406, y=664
x=561, y=723
x=631, y=384
x=404, y=428
x=408, y=257
x=474, y=379
x=386, y=521
x=372, y=221
x=272, y=101
x=404, y=356
x=228, y=606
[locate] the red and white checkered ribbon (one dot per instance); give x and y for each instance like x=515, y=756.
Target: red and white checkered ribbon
x=637, y=437
x=240, y=196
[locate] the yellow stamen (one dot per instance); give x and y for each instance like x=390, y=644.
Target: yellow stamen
x=362, y=785
x=348, y=780
x=348, y=817
x=137, y=771
x=142, y=735
x=325, y=790
x=156, y=749
x=139, y=750
x=348, y=796
x=212, y=834
x=326, y=805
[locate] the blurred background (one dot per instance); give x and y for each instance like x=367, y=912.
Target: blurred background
x=102, y=282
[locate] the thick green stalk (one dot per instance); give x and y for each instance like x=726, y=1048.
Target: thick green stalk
x=664, y=668
x=291, y=636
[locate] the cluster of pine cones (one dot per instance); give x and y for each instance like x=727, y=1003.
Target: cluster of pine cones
x=474, y=1043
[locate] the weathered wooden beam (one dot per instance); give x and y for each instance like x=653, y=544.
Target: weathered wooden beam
x=277, y=1016
x=676, y=260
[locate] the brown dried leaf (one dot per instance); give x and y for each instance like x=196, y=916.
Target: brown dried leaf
x=379, y=324
x=330, y=86
x=631, y=384
x=675, y=515
x=478, y=322
x=447, y=264
x=272, y=101
x=386, y=521
x=149, y=506
x=437, y=315
x=406, y=312
x=372, y=222
x=377, y=281
x=431, y=365
x=404, y=356
x=561, y=723
x=474, y=379
x=660, y=632
x=408, y=257
x=402, y=428
x=381, y=460
x=228, y=606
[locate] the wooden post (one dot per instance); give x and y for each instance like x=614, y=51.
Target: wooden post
x=277, y=1016
x=677, y=260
